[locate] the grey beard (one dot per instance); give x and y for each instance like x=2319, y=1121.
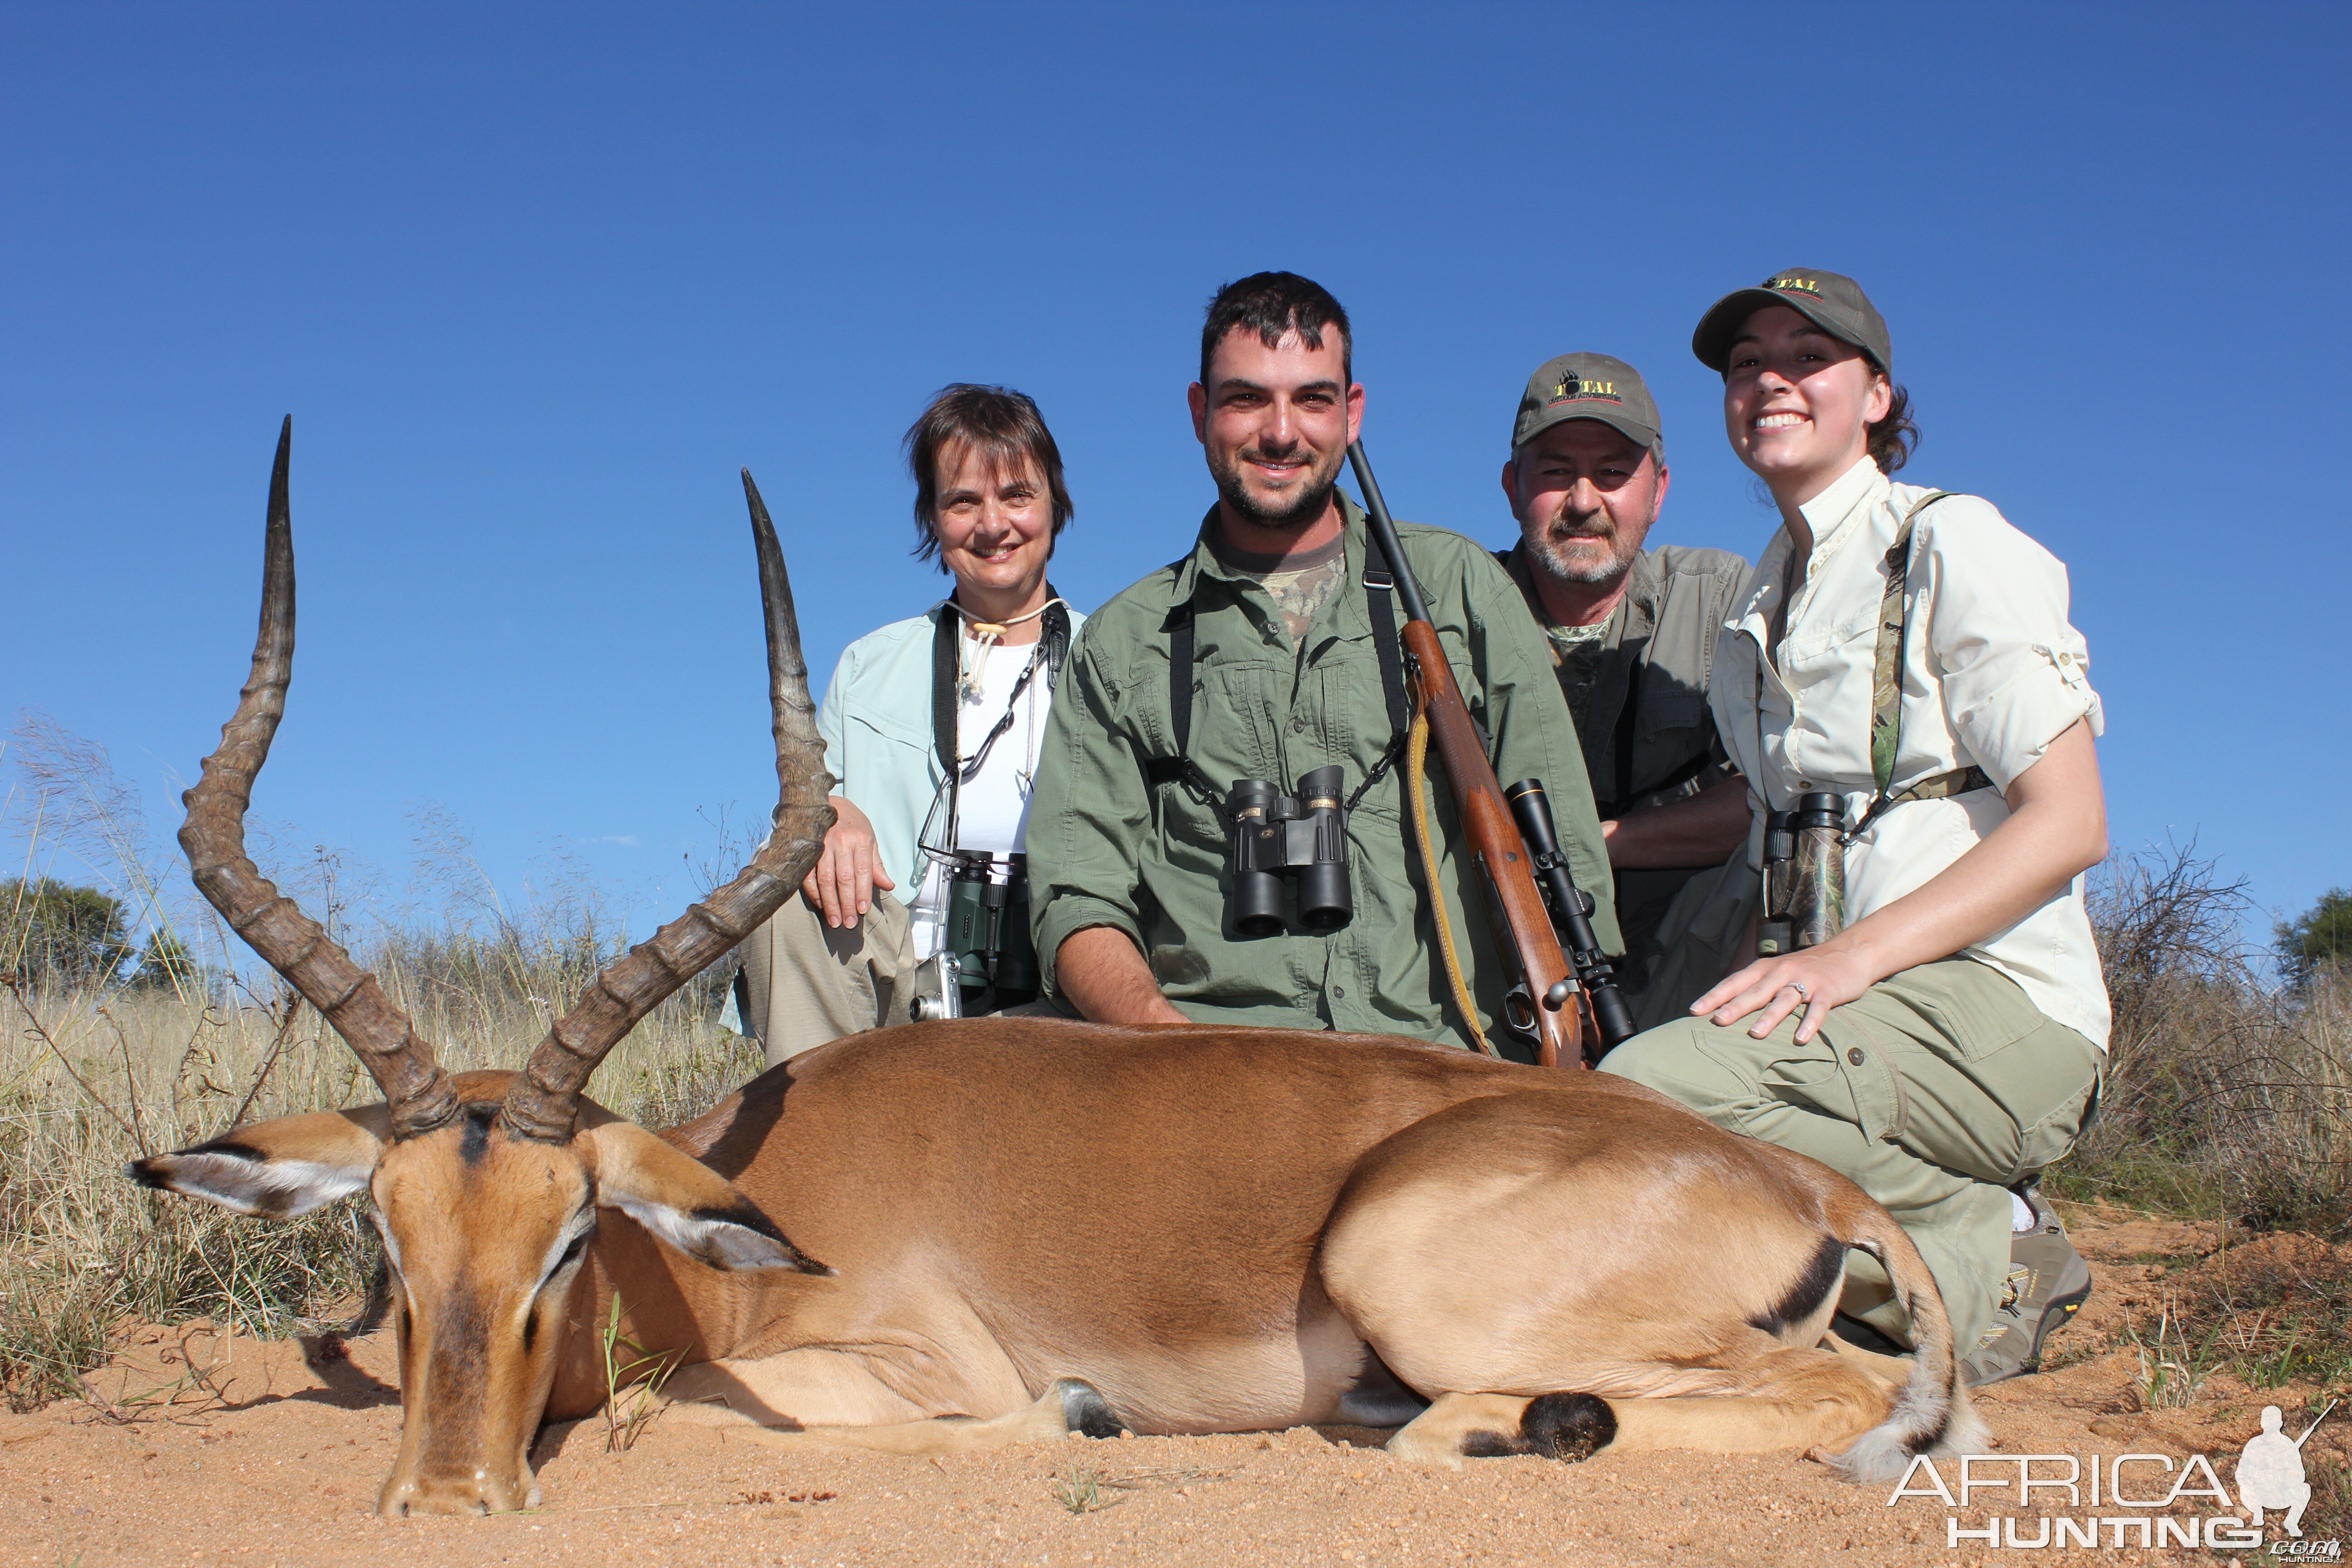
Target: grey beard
x=1549, y=561
x=1304, y=509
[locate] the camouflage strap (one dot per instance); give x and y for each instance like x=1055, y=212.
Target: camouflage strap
x=1886, y=689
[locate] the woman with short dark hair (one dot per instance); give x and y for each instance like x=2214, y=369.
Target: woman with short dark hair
x=1913, y=712
x=932, y=728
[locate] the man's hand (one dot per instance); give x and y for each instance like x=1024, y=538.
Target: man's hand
x=1701, y=831
x=842, y=885
x=1100, y=971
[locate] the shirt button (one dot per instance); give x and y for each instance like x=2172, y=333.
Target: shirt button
x=1299, y=726
x=1855, y=1056
x=1339, y=994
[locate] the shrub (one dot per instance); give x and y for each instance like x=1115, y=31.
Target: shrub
x=2317, y=942
x=59, y=936
x=2223, y=1098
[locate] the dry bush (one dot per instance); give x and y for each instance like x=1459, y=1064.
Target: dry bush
x=2225, y=1097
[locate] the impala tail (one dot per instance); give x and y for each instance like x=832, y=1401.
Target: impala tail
x=1932, y=1414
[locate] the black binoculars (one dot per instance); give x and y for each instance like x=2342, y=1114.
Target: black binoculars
x=987, y=937
x=1276, y=838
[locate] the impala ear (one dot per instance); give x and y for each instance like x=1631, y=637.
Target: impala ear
x=683, y=1201
x=276, y=1170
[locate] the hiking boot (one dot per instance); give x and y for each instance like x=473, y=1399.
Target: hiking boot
x=2048, y=1283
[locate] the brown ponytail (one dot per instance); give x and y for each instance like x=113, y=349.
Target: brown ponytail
x=1891, y=440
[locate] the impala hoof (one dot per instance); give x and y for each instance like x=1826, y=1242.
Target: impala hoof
x=1085, y=1412
x=1569, y=1426
x=1565, y=1426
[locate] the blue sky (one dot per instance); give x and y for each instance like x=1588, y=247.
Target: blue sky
x=534, y=282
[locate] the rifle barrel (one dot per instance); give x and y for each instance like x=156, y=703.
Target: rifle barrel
x=1385, y=535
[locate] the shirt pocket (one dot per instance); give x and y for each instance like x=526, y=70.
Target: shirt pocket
x=1230, y=738
x=892, y=728
x=1660, y=715
x=879, y=746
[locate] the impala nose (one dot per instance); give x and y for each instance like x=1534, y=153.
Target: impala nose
x=474, y=1492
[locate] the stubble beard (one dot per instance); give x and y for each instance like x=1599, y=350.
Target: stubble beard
x=1303, y=509
x=1551, y=554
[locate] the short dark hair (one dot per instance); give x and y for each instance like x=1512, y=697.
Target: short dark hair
x=1890, y=441
x=1003, y=426
x=1274, y=303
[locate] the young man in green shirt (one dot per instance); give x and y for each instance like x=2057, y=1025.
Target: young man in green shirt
x=1130, y=854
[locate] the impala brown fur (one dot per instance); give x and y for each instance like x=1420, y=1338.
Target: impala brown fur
x=1003, y=1229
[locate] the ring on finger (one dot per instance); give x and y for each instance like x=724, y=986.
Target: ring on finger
x=1798, y=987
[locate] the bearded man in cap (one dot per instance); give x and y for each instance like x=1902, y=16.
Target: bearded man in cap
x=1632, y=634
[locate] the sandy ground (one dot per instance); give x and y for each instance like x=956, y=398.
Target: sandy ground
x=267, y=1459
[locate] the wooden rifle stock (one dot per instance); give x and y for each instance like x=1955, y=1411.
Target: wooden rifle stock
x=1543, y=1003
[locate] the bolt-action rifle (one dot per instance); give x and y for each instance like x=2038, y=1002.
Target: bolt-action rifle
x=1541, y=1001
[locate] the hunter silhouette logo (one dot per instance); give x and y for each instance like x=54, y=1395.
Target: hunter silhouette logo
x=2270, y=1470
x=1573, y=389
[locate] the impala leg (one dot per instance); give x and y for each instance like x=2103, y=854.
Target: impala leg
x=1456, y=1427
x=1072, y=1407
x=826, y=1398
x=1783, y=1399
x=1896, y=1370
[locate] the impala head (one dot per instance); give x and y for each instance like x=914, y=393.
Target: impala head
x=487, y=1185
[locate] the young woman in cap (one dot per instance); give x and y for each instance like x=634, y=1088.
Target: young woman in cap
x=1902, y=674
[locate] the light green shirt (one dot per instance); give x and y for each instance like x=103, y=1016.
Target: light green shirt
x=1108, y=848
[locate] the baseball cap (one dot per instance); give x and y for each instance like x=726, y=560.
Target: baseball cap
x=1833, y=303
x=1586, y=386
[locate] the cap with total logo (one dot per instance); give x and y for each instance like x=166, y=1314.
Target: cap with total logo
x=1836, y=304
x=1586, y=386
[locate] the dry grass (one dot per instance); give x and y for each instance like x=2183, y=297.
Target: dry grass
x=91, y=1079
x=89, y=1082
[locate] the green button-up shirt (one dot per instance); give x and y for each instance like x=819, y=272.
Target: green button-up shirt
x=1107, y=849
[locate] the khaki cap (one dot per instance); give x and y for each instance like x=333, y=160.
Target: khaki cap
x=1586, y=386
x=1836, y=304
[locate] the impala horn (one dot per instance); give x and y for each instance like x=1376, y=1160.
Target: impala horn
x=544, y=1100
x=290, y=941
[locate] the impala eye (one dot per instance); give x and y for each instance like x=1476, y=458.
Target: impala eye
x=572, y=1251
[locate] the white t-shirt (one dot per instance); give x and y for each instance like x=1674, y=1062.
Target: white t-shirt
x=992, y=807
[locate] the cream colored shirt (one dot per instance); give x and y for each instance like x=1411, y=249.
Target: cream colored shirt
x=1993, y=673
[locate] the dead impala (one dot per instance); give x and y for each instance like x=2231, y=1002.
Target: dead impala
x=1007, y=1229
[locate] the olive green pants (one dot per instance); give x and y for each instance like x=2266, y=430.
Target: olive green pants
x=1935, y=1092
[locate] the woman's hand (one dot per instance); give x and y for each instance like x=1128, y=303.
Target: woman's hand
x=2056, y=829
x=1815, y=980
x=842, y=885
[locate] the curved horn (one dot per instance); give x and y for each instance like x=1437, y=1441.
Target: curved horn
x=545, y=1099
x=290, y=941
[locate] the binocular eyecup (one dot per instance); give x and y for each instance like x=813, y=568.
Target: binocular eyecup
x=1278, y=838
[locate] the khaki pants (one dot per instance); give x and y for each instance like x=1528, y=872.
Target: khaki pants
x=1934, y=1092
x=810, y=983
